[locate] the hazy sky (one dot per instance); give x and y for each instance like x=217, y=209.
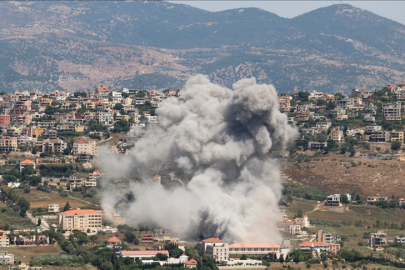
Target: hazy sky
x=393, y=10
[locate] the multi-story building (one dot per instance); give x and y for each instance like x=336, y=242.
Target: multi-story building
x=37, y=131
x=333, y=200
x=8, y=145
x=51, y=134
x=372, y=200
x=53, y=146
x=398, y=239
x=316, y=146
x=202, y=246
x=380, y=136
x=27, y=163
x=392, y=112
x=377, y=239
x=256, y=249
x=285, y=103
x=5, y=120
x=84, y=147
x=327, y=237
x=292, y=227
x=116, y=96
x=4, y=241
x=397, y=136
x=104, y=118
x=336, y=134
x=83, y=220
x=102, y=92
x=6, y=258
x=53, y=208
x=371, y=129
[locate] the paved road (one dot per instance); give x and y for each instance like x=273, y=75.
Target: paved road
x=44, y=224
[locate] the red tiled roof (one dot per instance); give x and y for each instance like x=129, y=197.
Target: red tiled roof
x=114, y=239
x=254, y=245
x=212, y=239
x=191, y=262
x=81, y=212
x=27, y=161
x=315, y=244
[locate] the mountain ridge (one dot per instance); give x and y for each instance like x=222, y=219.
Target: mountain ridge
x=77, y=45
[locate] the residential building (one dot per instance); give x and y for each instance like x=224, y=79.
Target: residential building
x=397, y=136
x=95, y=175
x=116, y=96
x=5, y=119
x=147, y=239
x=368, y=117
x=202, y=246
x=161, y=235
x=104, y=118
x=398, y=239
x=302, y=108
x=336, y=134
x=255, y=249
x=113, y=241
x=316, y=245
x=377, y=239
x=303, y=116
x=392, y=112
x=102, y=92
x=4, y=241
x=354, y=132
x=372, y=200
x=53, y=146
x=8, y=144
x=401, y=201
x=142, y=254
x=333, y=200
x=400, y=94
x=37, y=131
x=327, y=237
x=304, y=221
x=323, y=126
x=338, y=111
x=191, y=264
x=316, y=146
x=6, y=258
x=50, y=134
x=53, y=208
x=83, y=220
x=217, y=251
x=292, y=227
x=74, y=182
x=372, y=129
x=84, y=147
x=27, y=163
x=380, y=136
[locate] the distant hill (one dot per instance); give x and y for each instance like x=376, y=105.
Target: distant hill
x=78, y=45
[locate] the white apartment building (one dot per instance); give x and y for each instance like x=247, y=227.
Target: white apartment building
x=255, y=249
x=116, y=96
x=104, y=118
x=84, y=147
x=53, y=146
x=83, y=220
x=5, y=258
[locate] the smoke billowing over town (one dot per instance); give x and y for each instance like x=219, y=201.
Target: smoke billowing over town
x=218, y=141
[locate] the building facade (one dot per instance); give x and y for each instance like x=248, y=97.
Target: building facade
x=83, y=220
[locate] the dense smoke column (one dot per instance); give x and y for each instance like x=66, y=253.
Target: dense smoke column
x=221, y=139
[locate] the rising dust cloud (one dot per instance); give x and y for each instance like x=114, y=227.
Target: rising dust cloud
x=219, y=140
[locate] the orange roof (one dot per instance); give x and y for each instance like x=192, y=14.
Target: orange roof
x=291, y=222
x=212, y=239
x=315, y=244
x=4, y=237
x=81, y=141
x=254, y=245
x=27, y=161
x=191, y=262
x=81, y=212
x=114, y=239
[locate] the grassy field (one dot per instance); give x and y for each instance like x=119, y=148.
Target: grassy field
x=42, y=199
x=24, y=254
x=13, y=218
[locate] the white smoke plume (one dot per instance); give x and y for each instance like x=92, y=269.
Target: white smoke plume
x=220, y=140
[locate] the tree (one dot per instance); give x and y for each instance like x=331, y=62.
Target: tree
x=303, y=95
x=23, y=203
x=161, y=256
x=243, y=257
x=23, y=212
x=39, y=222
x=299, y=213
x=129, y=237
x=93, y=238
x=118, y=106
x=344, y=198
x=67, y=207
x=396, y=145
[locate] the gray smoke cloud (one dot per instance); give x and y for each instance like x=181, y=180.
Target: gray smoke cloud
x=221, y=141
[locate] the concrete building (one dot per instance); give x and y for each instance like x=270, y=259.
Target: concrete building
x=104, y=118
x=316, y=146
x=292, y=227
x=83, y=220
x=327, y=237
x=8, y=145
x=336, y=134
x=53, y=208
x=4, y=241
x=377, y=239
x=5, y=120
x=84, y=147
x=398, y=239
x=380, y=136
x=26, y=163
x=191, y=264
x=333, y=200
x=102, y=92
x=113, y=241
x=6, y=258
x=392, y=112
x=53, y=146
x=397, y=136
x=142, y=254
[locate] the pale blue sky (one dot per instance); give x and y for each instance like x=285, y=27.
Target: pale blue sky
x=394, y=10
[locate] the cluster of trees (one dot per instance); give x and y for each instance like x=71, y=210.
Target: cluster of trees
x=10, y=195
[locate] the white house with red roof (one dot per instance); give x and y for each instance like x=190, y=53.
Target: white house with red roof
x=191, y=263
x=292, y=227
x=113, y=241
x=26, y=163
